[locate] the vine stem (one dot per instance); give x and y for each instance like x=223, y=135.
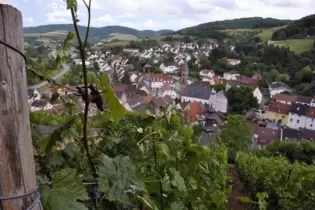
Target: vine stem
x=156, y=170
x=86, y=93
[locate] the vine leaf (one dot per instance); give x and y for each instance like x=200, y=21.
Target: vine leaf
x=178, y=205
x=66, y=190
x=72, y=4
x=116, y=109
x=57, y=135
x=177, y=180
x=117, y=178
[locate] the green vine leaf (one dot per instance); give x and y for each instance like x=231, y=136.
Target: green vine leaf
x=116, y=109
x=177, y=180
x=178, y=205
x=117, y=179
x=66, y=190
x=72, y=4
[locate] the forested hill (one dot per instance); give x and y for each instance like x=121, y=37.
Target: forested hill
x=210, y=29
x=299, y=29
x=95, y=32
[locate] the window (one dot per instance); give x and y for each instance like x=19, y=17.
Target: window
x=297, y=121
x=291, y=120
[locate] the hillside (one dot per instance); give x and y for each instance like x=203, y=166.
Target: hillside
x=216, y=29
x=298, y=29
x=95, y=33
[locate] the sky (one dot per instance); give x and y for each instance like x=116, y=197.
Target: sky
x=159, y=14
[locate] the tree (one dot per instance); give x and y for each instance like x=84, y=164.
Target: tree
x=126, y=78
x=205, y=63
x=219, y=87
x=235, y=133
x=65, y=81
x=241, y=99
x=91, y=77
x=311, y=89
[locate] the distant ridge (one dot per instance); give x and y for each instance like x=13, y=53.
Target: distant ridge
x=97, y=33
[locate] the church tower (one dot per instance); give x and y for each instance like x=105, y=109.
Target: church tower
x=183, y=76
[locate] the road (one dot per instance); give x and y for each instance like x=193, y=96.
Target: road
x=65, y=69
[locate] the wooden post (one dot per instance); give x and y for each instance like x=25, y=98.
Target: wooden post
x=17, y=168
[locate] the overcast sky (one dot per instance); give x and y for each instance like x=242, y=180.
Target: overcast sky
x=160, y=14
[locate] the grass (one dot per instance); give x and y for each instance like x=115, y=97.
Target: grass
x=121, y=37
x=296, y=45
x=264, y=33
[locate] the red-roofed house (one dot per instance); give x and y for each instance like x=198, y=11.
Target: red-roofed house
x=233, y=62
x=207, y=73
x=156, y=81
x=284, y=98
x=278, y=112
x=193, y=111
x=310, y=120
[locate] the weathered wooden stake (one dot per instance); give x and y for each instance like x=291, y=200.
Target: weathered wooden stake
x=17, y=168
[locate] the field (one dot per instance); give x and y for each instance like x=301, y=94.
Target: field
x=296, y=45
x=264, y=33
x=121, y=37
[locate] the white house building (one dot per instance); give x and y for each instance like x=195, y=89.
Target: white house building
x=313, y=102
x=233, y=62
x=297, y=116
x=257, y=94
x=207, y=73
x=156, y=81
x=33, y=95
x=40, y=105
x=219, y=102
x=230, y=76
x=169, y=67
x=168, y=90
x=310, y=120
x=196, y=93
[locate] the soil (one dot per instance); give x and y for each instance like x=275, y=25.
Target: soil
x=238, y=192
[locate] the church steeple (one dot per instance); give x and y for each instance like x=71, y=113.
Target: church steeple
x=184, y=76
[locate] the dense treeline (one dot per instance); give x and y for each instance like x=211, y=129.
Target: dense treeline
x=210, y=30
x=299, y=29
x=289, y=186
x=303, y=153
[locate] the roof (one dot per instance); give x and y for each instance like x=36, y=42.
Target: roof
x=299, y=109
x=308, y=134
x=39, y=103
x=311, y=112
x=194, y=109
x=288, y=133
x=266, y=135
x=205, y=71
x=275, y=85
x=197, y=92
x=161, y=101
x=284, y=97
x=253, y=126
x=169, y=63
x=200, y=84
x=279, y=108
x=247, y=80
x=136, y=101
x=232, y=59
x=304, y=99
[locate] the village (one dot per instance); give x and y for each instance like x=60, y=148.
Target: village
x=280, y=115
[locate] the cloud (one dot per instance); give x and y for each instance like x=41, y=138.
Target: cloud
x=163, y=14
x=149, y=24
x=6, y=2
x=28, y=20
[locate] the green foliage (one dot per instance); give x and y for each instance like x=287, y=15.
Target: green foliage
x=241, y=99
x=235, y=133
x=118, y=180
x=91, y=77
x=289, y=186
x=303, y=153
x=44, y=118
x=66, y=190
x=116, y=109
x=299, y=29
x=219, y=87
